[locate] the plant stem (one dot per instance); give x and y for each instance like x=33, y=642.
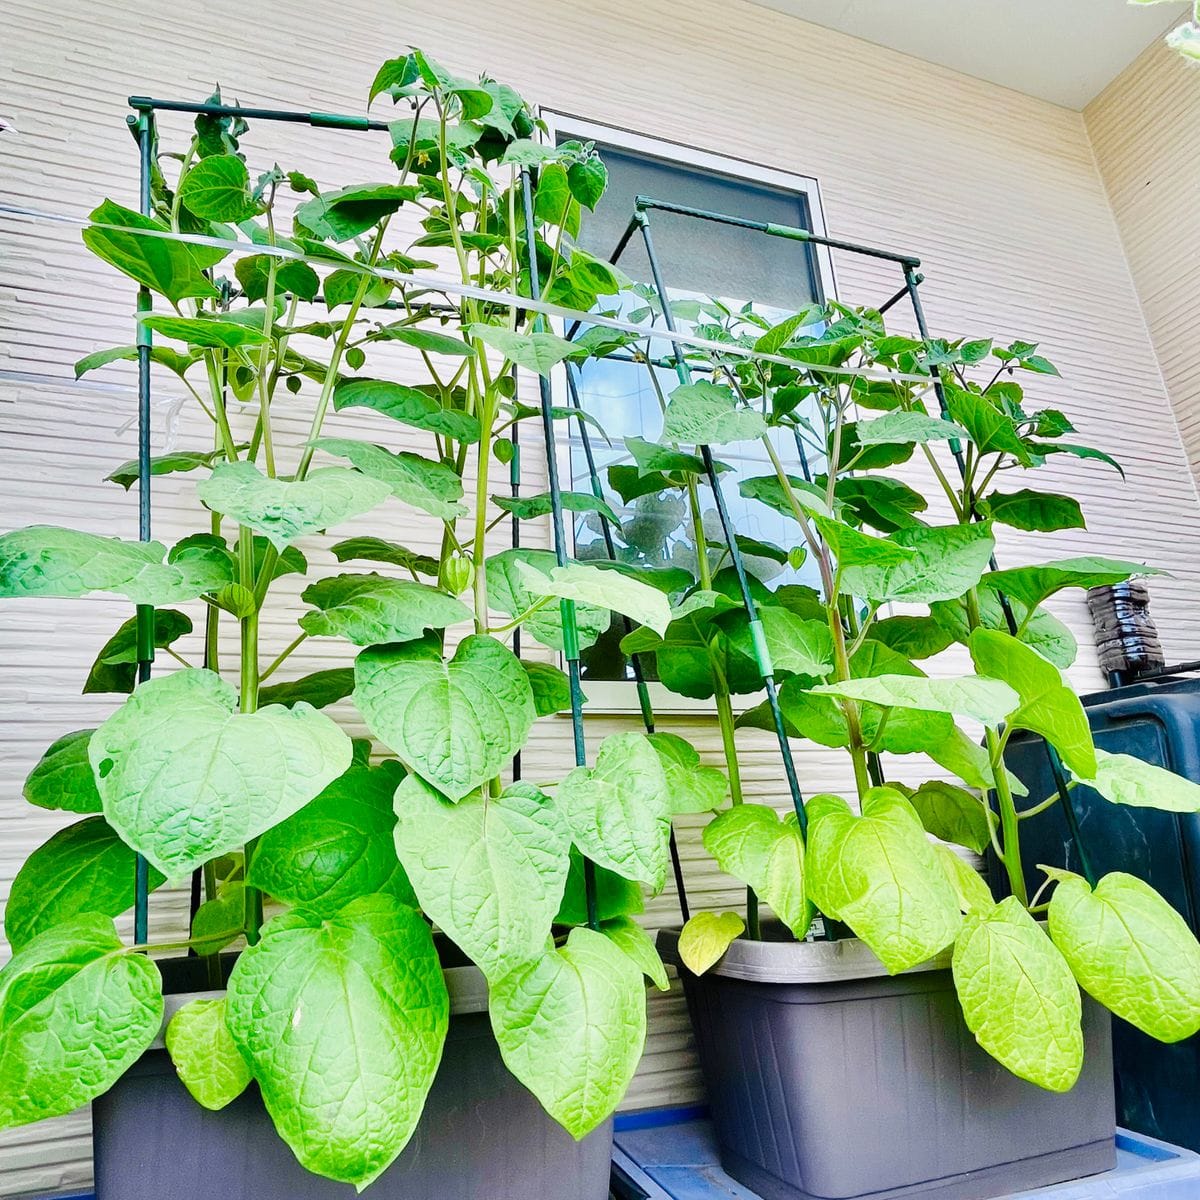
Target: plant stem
x=281, y=658
x=725, y=718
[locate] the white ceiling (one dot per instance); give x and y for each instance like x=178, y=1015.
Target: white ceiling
x=1065, y=51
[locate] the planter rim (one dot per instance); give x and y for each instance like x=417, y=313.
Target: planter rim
x=466, y=985
x=842, y=961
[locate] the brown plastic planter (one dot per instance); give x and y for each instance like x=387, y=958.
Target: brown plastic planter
x=830, y=1080
x=482, y=1133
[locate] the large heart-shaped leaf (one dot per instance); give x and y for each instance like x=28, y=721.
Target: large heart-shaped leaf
x=619, y=811
x=1031, y=585
x=571, y=1027
x=223, y=332
x=906, y=428
x=1131, y=950
x=77, y=1009
x=708, y=414
x=209, y=1064
x=509, y=591
x=284, y=510
x=751, y=843
x=184, y=778
x=344, y=214
x=342, y=1020
x=1049, y=706
x=410, y=405
x=490, y=871
x=1026, y=509
x=539, y=352
x=944, y=561
x=456, y=723
x=370, y=609
x=337, y=847
x=165, y=266
x=63, y=776
x=424, y=483
x=84, y=868
x=880, y=875
x=115, y=668
x=46, y=560
x=1018, y=995
x=1123, y=779
x=951, y=813
x=217, y=188
x=639, y=946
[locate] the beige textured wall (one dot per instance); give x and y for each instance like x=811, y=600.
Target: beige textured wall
x=1143, y=130
x=998, y=193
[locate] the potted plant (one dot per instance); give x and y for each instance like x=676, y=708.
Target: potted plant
x=343, y=1019
x=928, y=1037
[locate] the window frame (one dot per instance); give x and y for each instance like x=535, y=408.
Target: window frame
x=619, y=697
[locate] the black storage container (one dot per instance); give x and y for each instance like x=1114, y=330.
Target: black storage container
x=1158, y=1086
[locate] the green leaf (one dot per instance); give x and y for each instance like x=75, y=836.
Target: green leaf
x=1018, y=996
x=619, y=811
x=345, y=285
x=218, y=922
x=969, y=886
x=375, y=549
x=165, y=266
x=588, y=179
x=526, y=508
x=992, y=431
x=205, y=1056
x=213, y=333
x=217, y=188
x=488, y=871
x=337, y=847
x=538, y=352
x=44, y=560
x=1131, y=950
x=551, y=688
x=424, y=483
x=63, y=777
x=283, y=510
x=692, y=787
x=115, y=668
x=639, y=946
x=456, y=723
x=167, y=464
x=370, y=609
x=796, y=646
x=882, y=503
x=706, y=937
x=1032, y=585
x=317, y=997
x=951, y=813
x=1077, y=452
x=344, y=214
x=768, y=490
x=1123, y=779
x=1048, y=704
x=913, y=637
x=509, y=591
x=163, y=355
x=571, y=1027
x=943, y=562
x=600, y=588
x=409, y=405
x=77, y=1009
x=430, y=341
x=988, y=701
x=298, y=278
x=553, y=201
x=708, y=414
x=880, y=875
x=1040, y=630
x=651, y=457
x=84, y=868
x=185, y=778
x=320, y=689
x=615, y=896
x=855, y=549
x=751, y=843
x=1034, y=511
x=906, y=428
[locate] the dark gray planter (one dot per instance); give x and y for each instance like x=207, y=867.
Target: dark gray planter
x=829, y=1080
x=482, y=1134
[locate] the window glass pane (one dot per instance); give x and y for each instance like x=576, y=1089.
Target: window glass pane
x=700, y=260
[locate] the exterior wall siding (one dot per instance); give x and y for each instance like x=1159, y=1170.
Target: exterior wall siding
x=1141, y=128
x=997, y=192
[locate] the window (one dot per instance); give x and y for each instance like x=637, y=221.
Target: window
x=701, y=261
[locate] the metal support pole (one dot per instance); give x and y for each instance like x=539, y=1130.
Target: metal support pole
x=911, y=282
x=144, y=125
x=319, y=120
x=757, y=638
x=570, y=628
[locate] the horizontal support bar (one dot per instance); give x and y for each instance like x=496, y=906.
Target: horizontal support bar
x=792, y=232
x=319, y=120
